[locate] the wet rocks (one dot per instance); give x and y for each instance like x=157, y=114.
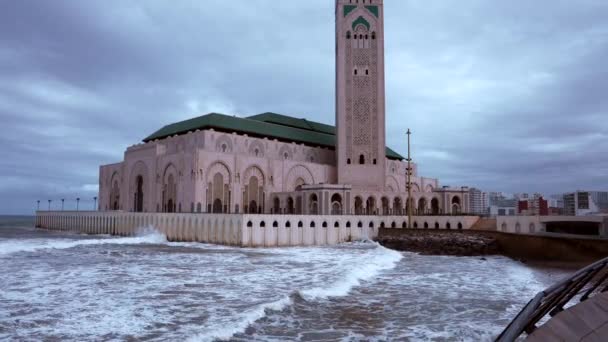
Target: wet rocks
x=441, y=243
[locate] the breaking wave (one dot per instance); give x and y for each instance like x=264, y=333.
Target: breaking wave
x=354, y=271
x=32, y=245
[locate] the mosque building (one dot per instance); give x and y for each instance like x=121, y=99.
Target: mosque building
x=277, y=164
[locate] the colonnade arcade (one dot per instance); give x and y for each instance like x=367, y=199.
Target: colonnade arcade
x=255, y=197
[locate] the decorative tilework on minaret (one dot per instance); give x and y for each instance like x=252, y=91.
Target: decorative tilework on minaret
x=360, y=93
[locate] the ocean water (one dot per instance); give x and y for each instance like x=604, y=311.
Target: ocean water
x=58, y=286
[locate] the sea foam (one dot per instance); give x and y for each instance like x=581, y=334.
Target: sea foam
x=32, y=245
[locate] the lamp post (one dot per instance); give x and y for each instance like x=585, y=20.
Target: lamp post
x=408, y=203
x=95, y=203
x=38, y=207
x=62, y=202
x=77, y=202
x=50, y=204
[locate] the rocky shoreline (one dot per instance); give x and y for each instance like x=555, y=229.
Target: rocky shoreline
x=439, y=243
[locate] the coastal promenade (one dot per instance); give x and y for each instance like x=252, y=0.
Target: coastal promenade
x=574, y=309
x=245, y=230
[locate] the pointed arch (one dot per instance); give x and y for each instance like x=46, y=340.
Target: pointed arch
x=218, y=187
x=256, y=148
x=223, y=144
x=298, y=172
x=392, y=184
x=139, y=185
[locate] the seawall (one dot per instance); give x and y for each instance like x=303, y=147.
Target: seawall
x=538, y=247
x=244, y=230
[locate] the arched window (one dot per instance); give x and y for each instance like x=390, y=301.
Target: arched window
x=312, y=224
x=288, y=224
x=348, y=224
x=371, y=224
x=374, y=35
x=324, y=225
x=355, y=72
x=249, y=224
x=361, y=159
x=348, y=161
x=300, y=224
x=262, y=224
x=347, y=34
x=336, y=225
x=360, y=224
x=275, y=224
x=415, y=224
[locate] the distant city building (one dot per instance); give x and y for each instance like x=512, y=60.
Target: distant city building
x=557, y=201
x=536, y=205
x=600, y=198
x=555, y=211
x=495, y=197
x=495, y=210
x=478, y=201
x=579, y=203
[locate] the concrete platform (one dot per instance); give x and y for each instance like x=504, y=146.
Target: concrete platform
x=586, y=321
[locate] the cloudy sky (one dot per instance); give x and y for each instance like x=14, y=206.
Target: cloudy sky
x=503, y=95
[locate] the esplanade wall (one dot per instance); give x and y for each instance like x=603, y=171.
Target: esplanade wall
x=244, y=230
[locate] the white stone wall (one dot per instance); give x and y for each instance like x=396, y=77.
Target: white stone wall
x=241, y=230
x=519, y=224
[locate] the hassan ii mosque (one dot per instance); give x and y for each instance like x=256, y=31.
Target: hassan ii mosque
x=276, y=164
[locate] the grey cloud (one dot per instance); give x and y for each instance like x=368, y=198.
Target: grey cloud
x=501, y=95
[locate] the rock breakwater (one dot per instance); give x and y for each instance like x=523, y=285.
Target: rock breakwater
x=441, y=243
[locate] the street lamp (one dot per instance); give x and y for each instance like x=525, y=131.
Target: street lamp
x=95, y=205
x=408, y=203
x=62, y=201
x=50, y=204
x=38, y=207
x=77, y=202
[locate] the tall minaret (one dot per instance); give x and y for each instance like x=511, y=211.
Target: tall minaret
x=360, y=144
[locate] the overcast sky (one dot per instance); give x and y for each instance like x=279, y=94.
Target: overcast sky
x=502, y=95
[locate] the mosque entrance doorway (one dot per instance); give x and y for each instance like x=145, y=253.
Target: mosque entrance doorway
x=253, y=207
x=358, y=206
x=336, y=204
x=217, y=206
x=170, y=206
x=139, y=195
x=435, y=206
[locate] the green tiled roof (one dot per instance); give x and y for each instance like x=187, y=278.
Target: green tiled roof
x=271, y=125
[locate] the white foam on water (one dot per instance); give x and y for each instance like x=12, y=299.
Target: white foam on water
x=358, y=271
x=217, y=292
x=33, y=245
x=241, y=322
